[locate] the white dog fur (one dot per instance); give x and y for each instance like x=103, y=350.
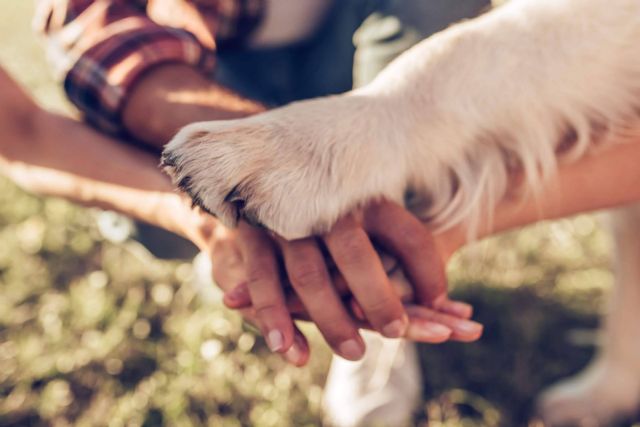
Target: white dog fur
x=525, y=86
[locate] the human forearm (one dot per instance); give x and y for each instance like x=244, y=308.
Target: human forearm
x=52, y=155
x=606, y=179
x=172, y=96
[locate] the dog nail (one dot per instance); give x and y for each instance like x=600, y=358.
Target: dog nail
x=233, y=196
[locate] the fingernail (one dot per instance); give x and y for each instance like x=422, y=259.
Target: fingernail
x=238, y=292
x=462, y=309
x=469, y=327
x=275, y=340
x=294, y=354
x=350, y=349
x=396, y=329
x=430, y=331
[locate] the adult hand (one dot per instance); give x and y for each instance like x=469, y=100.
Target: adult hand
x=228, y=268
x=358, y=270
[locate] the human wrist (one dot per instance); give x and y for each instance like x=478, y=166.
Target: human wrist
x=20, y=125
x=448, y=242
x=175, y=213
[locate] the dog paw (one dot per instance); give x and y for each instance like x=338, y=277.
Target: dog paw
x=603, y=393
x=294, y=170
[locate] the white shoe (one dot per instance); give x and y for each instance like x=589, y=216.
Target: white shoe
x=382, y=389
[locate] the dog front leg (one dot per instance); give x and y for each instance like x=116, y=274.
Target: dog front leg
x=610, y=387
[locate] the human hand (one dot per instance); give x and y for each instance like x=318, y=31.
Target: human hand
x=175, y=213
x=358, y=271
x=228, y=269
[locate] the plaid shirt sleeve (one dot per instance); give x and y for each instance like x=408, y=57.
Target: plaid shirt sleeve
x=101, y=47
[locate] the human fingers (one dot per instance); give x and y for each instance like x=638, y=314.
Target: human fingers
x=430, y=326
x=265, y=287
x=461, y=329
x=410, y=241
x=307, y=271
x=228, y=270
x=361, y=268
x=298, y=354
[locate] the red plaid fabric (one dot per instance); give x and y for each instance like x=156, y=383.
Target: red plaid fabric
x=100, y=47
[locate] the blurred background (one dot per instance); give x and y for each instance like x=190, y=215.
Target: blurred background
x=100, y=333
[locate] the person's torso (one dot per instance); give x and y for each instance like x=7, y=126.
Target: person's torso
x=288, y=21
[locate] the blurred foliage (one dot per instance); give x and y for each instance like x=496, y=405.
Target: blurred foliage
x=95, y=333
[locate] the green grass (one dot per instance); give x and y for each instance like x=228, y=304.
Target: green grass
x=94, y=333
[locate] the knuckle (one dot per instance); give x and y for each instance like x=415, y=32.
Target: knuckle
x=267, y=309
x=349, y=239
x=412, y=239
x=350, y=245
x=259, y=270
x=380, y=308
x=259, y=286
x=308, y=276
x=336, y=331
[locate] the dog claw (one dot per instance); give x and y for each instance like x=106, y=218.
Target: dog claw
x=234, y=196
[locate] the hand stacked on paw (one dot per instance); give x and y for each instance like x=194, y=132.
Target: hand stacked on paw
x=339, y=282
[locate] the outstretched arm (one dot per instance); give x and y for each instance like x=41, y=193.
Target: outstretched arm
x=152, y=87
x=49, y=154
x=54, y=155
x=605, y=179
